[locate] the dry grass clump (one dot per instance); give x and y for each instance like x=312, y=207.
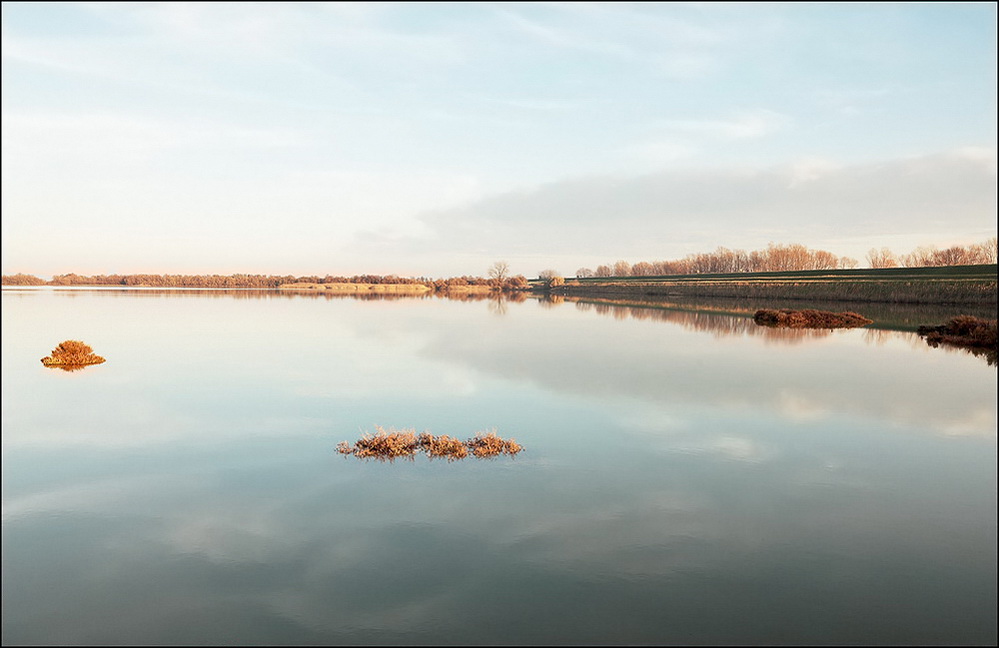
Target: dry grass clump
x=488, y=444
x=71, y=355
x=384, y=444
x=808, y=318
x=966, y=331
x=390, y=444
x=443, y=446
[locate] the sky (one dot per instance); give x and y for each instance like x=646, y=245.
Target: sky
x=433, y=139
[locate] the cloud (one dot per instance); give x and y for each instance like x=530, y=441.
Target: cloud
x=675, y=212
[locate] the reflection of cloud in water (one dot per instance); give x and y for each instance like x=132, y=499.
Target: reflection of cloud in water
x=839, y=373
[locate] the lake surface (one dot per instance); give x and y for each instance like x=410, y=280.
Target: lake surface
x=687, y=478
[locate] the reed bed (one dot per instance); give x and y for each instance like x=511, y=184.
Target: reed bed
x=488, y=444
x=809, y=318
x=72, y=355
x=975, y=334
x=391, y=444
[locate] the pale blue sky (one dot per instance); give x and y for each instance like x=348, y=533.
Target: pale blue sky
x=435, y=138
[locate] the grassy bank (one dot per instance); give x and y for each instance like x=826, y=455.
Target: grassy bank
x=973, y=285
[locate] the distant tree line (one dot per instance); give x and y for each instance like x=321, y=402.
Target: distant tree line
x=517, y=282
x=978, y=253
x=784, y=257
x=774, y=258
x=21, y=279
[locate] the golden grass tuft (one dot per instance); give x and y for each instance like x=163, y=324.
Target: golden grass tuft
x=385, y=445
x=72, y=355
x=488, y=444
x=808, y=318
x=443, y=446
x=391, y=444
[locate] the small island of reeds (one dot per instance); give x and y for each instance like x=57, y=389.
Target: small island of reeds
x=808, y=318
x=391, y=444
x=975, y=334
x=72, y=355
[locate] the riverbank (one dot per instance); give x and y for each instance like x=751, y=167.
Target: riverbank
x=951, y=285
x=414, y=289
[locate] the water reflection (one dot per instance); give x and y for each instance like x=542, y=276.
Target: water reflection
x=684, y=484
x=739, y=323
x=718, y=324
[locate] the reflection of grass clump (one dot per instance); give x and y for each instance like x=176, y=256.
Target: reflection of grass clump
x=71, y=355
x=808, y=318
x=975, y=334
x=390, y=444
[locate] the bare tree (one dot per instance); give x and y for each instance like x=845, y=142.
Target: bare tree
x=622, y=269
x=499, y=271
x=883, y=258
x=584, y=272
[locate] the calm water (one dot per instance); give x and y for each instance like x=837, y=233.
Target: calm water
x=688, y=478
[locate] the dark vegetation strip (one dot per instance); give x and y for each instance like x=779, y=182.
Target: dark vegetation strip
x=975, y=334
x=971, y=285
x=808, y=318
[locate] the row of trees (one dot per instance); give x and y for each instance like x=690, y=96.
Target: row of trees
x=774, y=258
x=783, y=257
x=978, y=253
x=498, y=282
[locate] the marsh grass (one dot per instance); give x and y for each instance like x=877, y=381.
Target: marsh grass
x=391, y=444
x=72, y=355
x=488, y=444
x=974, y=334
x=809, y=318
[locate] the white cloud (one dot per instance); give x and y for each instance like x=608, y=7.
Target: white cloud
x=669, y=213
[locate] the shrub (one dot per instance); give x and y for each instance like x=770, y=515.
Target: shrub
x=72, y=354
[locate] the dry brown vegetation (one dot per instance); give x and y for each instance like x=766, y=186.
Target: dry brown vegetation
x=809, y=318
x=71, y=355
x=775, y=258
x=505, y=283
x=928, y=256
x=391, y=444
x=975, y=334
x=488, y=444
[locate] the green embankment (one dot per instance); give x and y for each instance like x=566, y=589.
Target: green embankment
x=973, y=285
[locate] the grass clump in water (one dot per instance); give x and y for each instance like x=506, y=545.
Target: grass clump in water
x=443, y=446
x=383, y=444
x=975, y=334
x=488, y=444
x=391, y=444
x=71, y=355
x=808, y=318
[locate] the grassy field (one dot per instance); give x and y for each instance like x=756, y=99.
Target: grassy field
x=936, y=285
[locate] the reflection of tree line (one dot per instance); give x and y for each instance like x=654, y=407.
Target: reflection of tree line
x=718, y=324
x=250, y=293
x=740, y=323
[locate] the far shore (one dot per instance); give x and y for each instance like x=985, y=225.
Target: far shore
x=387, y=288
